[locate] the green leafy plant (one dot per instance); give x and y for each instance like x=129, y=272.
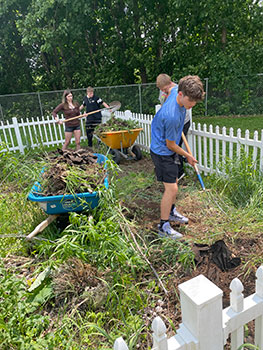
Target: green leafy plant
x=116, y=124
x=178, y=252
x=240, y=182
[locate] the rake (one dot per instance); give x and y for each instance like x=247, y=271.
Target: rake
x=113, y=106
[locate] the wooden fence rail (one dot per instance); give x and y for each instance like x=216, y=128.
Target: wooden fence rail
x=205, y=325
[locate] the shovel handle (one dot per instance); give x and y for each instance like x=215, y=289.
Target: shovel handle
x=81, y=116
x=113, y=105
x=195, y=166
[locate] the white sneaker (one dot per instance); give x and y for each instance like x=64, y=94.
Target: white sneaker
x=168, y=231
x=175, y=216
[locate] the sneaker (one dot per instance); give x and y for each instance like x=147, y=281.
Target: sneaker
x=168, y=231
x=175, y=216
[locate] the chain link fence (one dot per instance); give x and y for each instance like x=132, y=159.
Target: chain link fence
x=139, y=98
x=235, y=96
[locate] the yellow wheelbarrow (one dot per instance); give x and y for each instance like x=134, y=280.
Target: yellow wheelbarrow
x=120, y=144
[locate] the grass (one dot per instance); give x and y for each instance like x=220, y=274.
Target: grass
x=101, y=243
x=252, y=122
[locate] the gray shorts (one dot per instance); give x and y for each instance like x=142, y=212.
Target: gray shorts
x=72, y=128
x=166, y=167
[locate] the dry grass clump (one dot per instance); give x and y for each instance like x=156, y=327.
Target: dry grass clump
x=79, y=285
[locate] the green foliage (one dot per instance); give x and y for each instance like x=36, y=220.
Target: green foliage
x=20, y=325
x=248, y=346
x=20, y=169
x=178, y=252
x=240, y=182
x=44, y=48
x=116, y=124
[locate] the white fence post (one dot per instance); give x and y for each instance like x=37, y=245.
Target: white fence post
x=237, y=305
x=18, y=135
x=259, y=320
x=201, y=305
x=120, y=344
x=159, y=334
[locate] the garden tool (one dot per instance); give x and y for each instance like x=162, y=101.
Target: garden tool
x=195, y=166
x=209, y=195
x=113, y=106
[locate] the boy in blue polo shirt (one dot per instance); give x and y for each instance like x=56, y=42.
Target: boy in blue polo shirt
x=166, y=131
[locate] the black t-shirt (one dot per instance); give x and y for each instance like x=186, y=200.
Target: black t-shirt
x=92, y=104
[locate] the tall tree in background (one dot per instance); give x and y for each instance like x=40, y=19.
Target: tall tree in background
x=60, y=43
x=15, y=72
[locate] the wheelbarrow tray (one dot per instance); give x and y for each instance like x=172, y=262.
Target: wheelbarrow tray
x=67, y=203
x=120, y=139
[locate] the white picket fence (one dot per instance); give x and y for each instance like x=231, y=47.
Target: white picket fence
x=209, y=145
x=205, y=325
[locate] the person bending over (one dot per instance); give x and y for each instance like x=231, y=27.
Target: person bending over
x=165, y=85
x=166, y=131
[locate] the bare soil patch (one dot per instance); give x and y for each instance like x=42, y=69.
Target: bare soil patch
x=145, y=209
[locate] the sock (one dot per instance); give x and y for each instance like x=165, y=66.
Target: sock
x=172, y=208
x=162, y=222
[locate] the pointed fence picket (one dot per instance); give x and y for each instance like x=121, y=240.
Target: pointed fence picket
x=210, y=146
x=205, y=325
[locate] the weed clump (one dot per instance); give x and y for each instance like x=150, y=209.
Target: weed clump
x=78, y=284
x=72, y=172
x=116, y=124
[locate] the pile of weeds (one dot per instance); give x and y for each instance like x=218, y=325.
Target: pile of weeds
x=72, y=172
x=116, y=124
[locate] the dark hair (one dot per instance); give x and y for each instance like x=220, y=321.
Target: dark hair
x=192, y=87
x=65, y=94
x=64, y=98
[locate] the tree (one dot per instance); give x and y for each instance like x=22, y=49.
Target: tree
x=15, y=74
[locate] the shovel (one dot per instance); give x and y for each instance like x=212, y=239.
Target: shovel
x=114, y=106
x=195, y=166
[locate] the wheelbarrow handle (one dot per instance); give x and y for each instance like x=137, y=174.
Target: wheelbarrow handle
x=41, y=226
x=195, y=166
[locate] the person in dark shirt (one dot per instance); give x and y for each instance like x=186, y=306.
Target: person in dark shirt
x=70, y=109
x=92, y=103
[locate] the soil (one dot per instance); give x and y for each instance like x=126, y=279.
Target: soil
x=145, y=209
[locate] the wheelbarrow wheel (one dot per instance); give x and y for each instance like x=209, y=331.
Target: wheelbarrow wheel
x=137, y=151
x=116, y=155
